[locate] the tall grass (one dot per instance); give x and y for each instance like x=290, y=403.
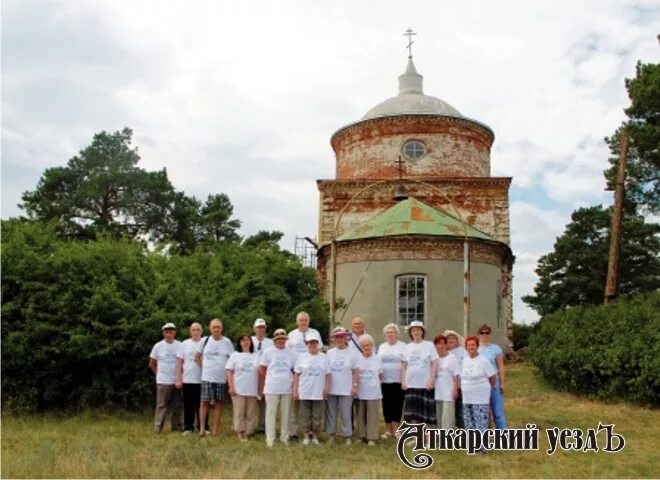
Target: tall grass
x=103, y=445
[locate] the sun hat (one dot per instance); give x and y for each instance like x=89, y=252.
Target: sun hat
x=280, y=333
x=260, y=322
x=459, y=337
x=169, y=326
x=339, y=332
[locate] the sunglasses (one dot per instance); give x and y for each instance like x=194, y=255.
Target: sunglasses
x=484, y=333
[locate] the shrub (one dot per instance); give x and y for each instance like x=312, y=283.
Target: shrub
x=521, y=334
x=79, y=318
x=609, y=352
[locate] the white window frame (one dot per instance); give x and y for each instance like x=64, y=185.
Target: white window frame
x=397, y=282
x=413, y=141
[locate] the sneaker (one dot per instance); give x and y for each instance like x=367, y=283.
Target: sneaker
x=270, y=444
x=285, y=442
x=371, y=443
x=348, y=441
x=187, y=432
x=208, y=432
x=305, y=442
x=386, y=435
x=315, y=441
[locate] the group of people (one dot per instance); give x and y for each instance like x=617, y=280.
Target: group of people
x=451, y=382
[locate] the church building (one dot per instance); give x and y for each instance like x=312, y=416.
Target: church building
x=413, y=226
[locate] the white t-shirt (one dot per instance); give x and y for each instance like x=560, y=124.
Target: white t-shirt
x=369, y=370
x=341, y=363
x=444, y=380
x=245, y=366
x=460, y=353
x=419, y=356
x=265, y=344
x=313, y=370
x=214, y=359
x=192, y=372
x=474, y=380
x=354, y=342
x=391, y=356
x=279, y=365
x=165, y=355
x=296, y=340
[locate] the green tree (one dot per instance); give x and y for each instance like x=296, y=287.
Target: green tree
x=643, y=126
x=574, y=272
x=264, y=238
x=216, y=224
x=103, y=190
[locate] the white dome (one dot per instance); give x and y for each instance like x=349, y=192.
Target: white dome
x=411, y=99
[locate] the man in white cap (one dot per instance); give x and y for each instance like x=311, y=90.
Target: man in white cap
x=162, y=361
x=261, y=343
x=297, y=343
x=259, y=339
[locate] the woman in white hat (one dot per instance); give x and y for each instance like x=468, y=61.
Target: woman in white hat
x=342, y=361
x=311, y=383
x=446, y=385
x=391, y=354
x=418, y=377
x=455, y=342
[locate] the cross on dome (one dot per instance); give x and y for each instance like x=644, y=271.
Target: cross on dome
x=409, y=33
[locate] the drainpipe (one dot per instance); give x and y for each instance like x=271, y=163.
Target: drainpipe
x=466, y=287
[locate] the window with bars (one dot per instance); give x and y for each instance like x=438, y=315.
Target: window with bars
x=410, y=298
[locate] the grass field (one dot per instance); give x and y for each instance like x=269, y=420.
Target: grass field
x=113, y=445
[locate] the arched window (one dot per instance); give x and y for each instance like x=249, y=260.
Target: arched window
x=410, y=298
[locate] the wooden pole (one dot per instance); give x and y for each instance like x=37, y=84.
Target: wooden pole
x=617, y=217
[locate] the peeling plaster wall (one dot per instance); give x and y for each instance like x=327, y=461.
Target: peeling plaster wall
x=453, y=177
x=480, y=202
x=455, y=148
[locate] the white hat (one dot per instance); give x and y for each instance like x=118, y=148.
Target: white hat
x=169, y=326
x=416, y=323
x=313, y=335
x=459, y=337
x=260, y=322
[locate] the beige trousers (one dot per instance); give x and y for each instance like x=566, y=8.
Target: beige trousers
x=245, y=413
x=367, y=421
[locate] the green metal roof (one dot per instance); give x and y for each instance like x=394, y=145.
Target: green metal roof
x=412, y=217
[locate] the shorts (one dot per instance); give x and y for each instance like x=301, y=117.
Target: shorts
x=213, y=391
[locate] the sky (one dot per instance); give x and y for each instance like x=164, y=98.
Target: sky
x=243, y=97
